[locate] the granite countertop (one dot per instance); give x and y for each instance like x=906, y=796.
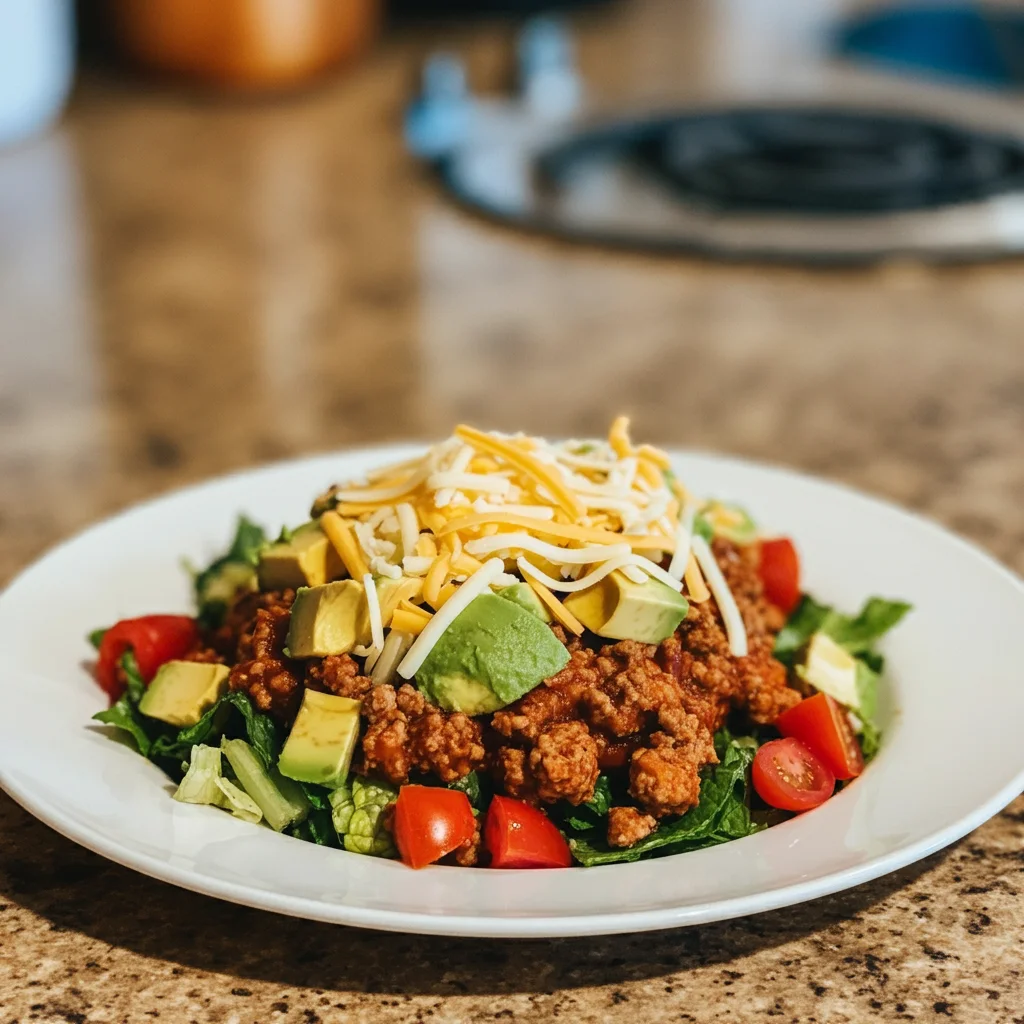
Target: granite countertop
x=191, y=288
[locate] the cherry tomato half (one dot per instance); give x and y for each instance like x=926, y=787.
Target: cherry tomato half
x=153, y=638
x=788, y=776
x=431, y=822
x=821, y=724
x=780, y=573
x=520, y=836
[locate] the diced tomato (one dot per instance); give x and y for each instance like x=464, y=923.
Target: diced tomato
x=788, y=776
x=153, y=638
x=780, y=573
x=821, y=724
x=520, y=836
x=431, y=822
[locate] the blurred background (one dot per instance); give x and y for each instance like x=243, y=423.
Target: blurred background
x=240, y=231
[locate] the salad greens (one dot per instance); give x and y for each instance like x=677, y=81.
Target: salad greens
x=204, y=783
x=234, y=570
x=358, y=814
x=722, y=814
x=855, y=634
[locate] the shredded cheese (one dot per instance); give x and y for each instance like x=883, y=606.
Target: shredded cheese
x=734, y=627
x=684, y=531
x=405, y=621
x=339, y=533
x=696, y=588
x=525, y=463
x=432, y=632
x=557, y=609
x=565, y=531
x=553, y=553
x=373, y=606
x=408, y=526
x=435, y=579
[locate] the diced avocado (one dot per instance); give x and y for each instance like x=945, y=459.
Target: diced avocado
x=329, y=619
x=181, y=691
x=617, y=608
x=493, y=653
x=831, y=670
x=282, y=801
x=307, y=559
x=526, y=597
x=320, y=746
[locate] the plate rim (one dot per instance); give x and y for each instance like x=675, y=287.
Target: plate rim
x=555, y=926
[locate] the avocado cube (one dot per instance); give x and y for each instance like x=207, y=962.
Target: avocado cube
x=307, y=560
x=182, y=691
x=526, y=597
x=491, y=655
x=329, y=619
x=320, y=746
x=617, y=608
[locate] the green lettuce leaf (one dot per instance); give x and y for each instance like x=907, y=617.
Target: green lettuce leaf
x=364, y=831
x=216, y=584
x=96, y=637
x=124, y=713
x=589, y=815
x=856, y=634
x=233, y=713
x=722, y=814
x=476, y=787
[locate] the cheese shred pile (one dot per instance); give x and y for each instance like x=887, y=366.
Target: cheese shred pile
x=483, y=510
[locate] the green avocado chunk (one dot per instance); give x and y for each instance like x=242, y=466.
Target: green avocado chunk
x=617, y=608
x=526, y=597
x=494, y=652
x=320, y=745
x=181, y=691
x=308, y=559
x=329, y=619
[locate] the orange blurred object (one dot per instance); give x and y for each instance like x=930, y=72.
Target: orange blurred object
x=245, y=44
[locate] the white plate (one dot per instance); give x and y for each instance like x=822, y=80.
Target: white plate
x=952, y=755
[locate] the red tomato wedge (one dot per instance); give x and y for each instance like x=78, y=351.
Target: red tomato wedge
x=520, y=836
x=788, y=776
x=780, y=573
x=431, y=822
x=821, y=724
x=153, y=638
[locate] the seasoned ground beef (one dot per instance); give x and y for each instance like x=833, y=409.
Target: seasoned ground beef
x=338, y=674
x=564, y=763
x=272, y=681
x=405, y=733
x=627, y=825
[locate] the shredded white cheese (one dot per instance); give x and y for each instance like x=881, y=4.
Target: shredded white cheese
x=373, y=605
x=684, y=533
x=734, y=627
x=408, y=526
x=552, y=552
x=480, y=581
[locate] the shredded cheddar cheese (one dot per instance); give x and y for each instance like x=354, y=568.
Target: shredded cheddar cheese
x=483, y=510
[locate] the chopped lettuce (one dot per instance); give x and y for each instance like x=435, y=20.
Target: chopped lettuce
x=358, y=816
x=722, y=814
x=235, y=569
x=591, y=814
x=232, y=714
x=124, y=713
x=281, y=800
x=856, y=635
x=204, y=783
x=477, y=788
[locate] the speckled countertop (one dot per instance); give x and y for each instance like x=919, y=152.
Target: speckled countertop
x=188, y=289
